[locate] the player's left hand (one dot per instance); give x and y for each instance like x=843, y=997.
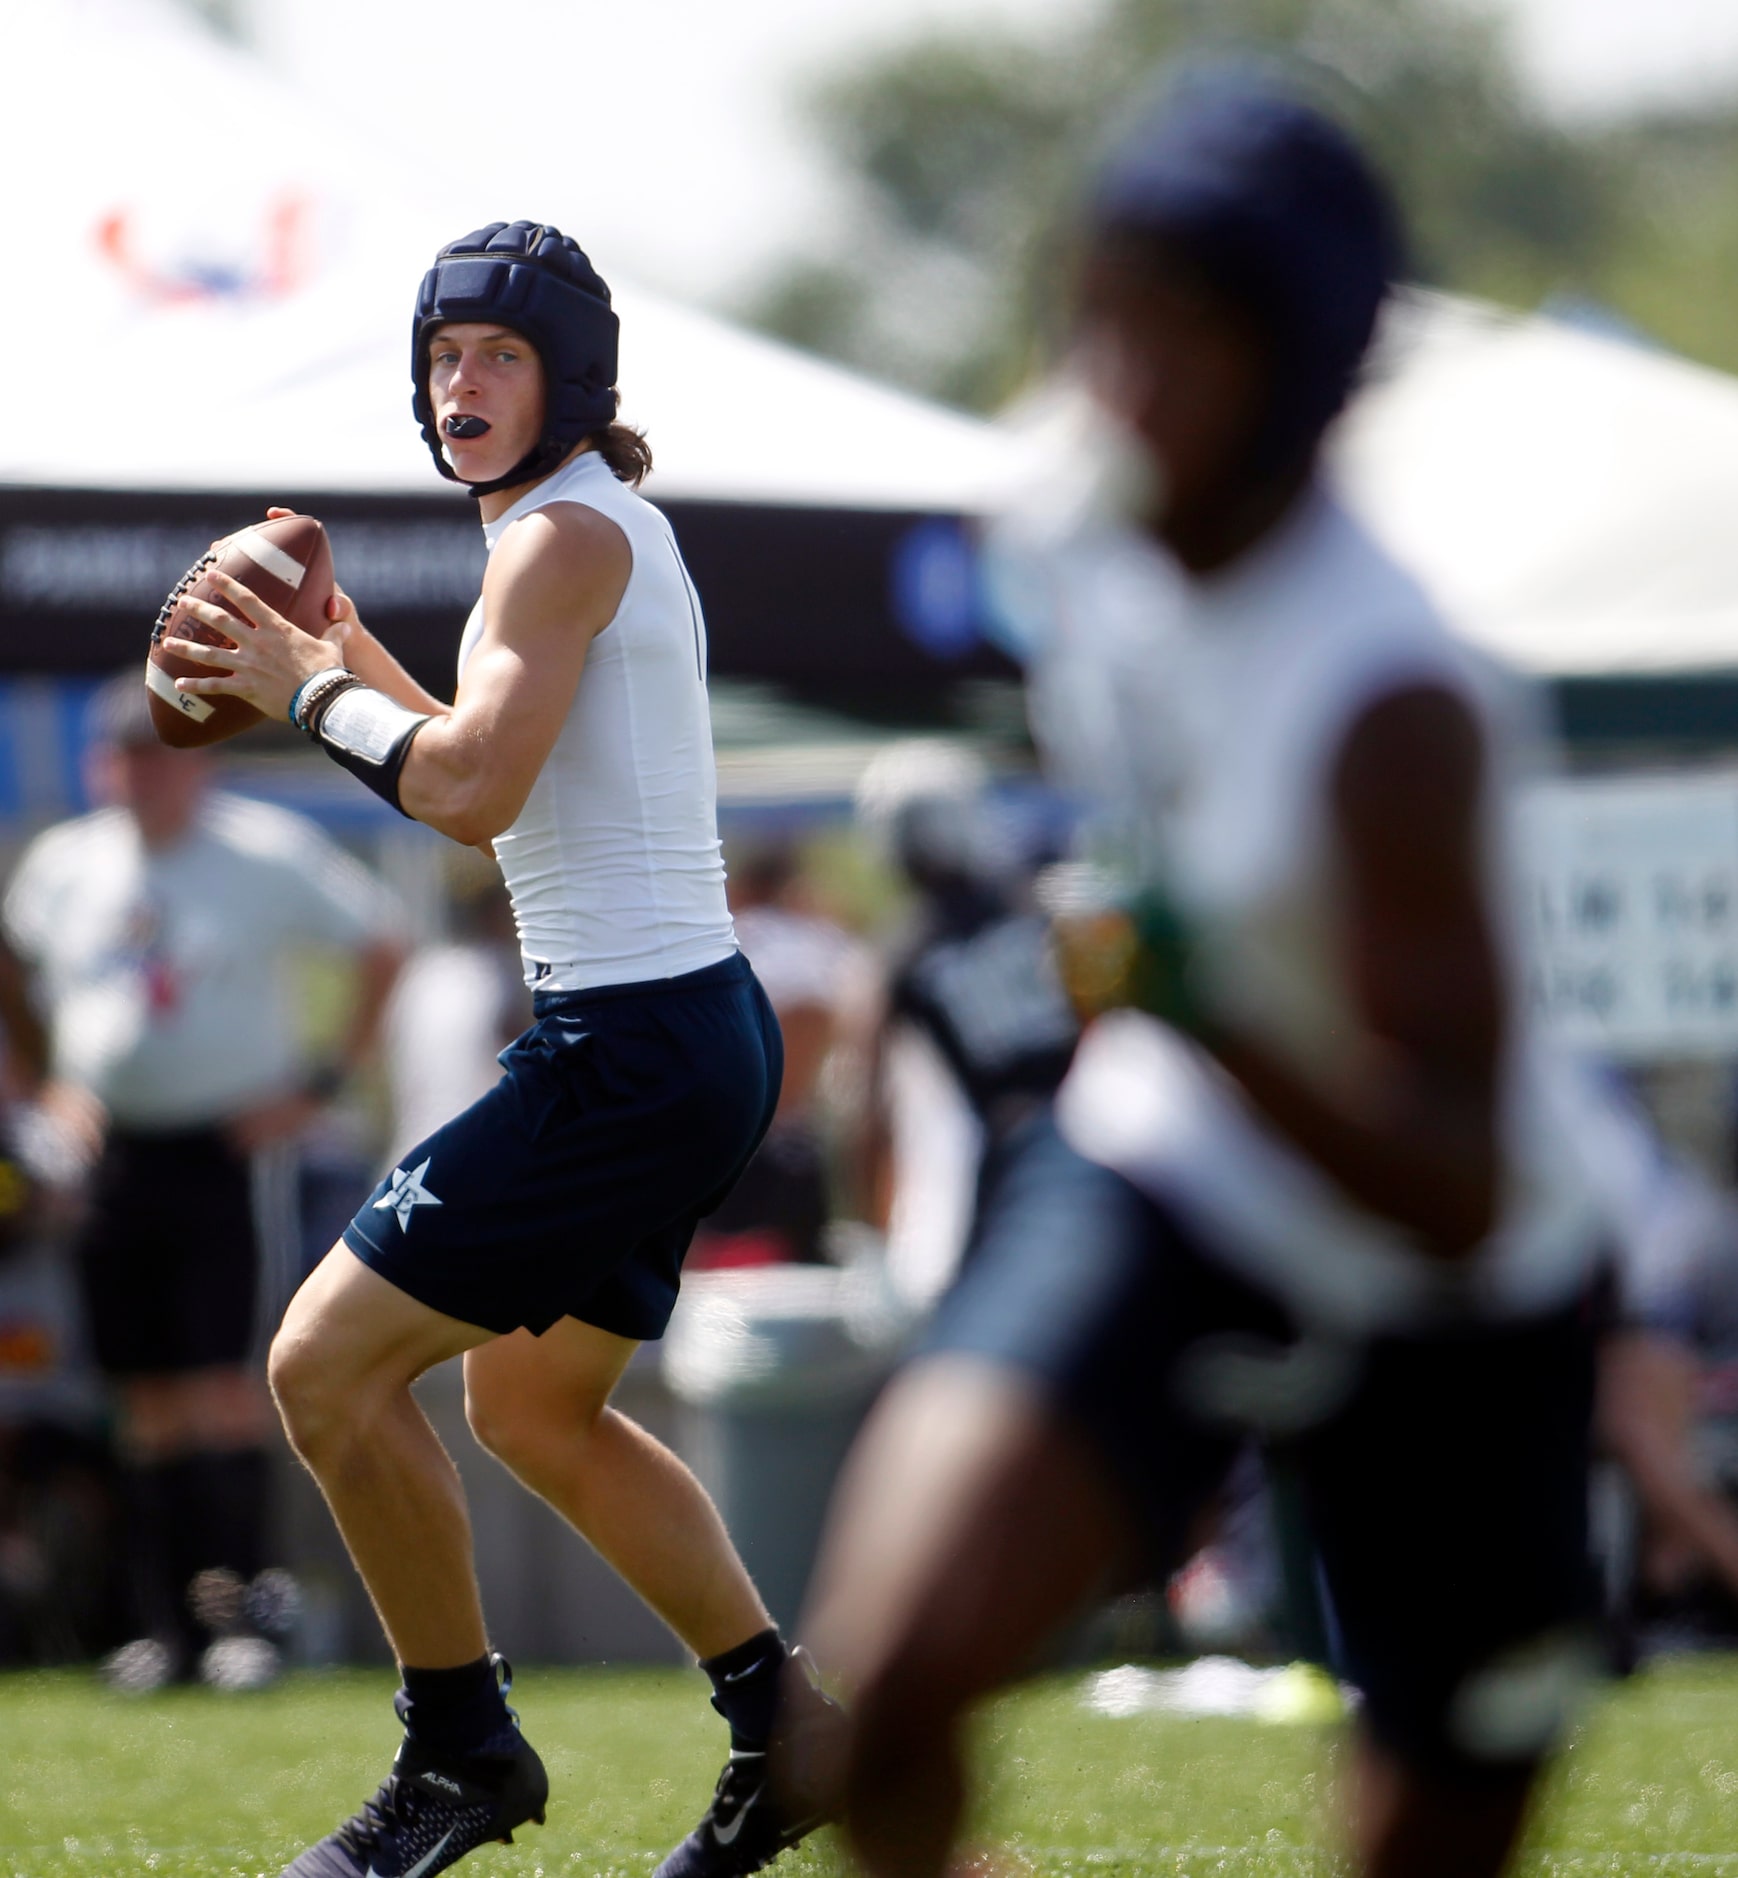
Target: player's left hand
x=271, y=658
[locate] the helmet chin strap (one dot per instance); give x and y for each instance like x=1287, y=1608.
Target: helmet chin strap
x=540, y=461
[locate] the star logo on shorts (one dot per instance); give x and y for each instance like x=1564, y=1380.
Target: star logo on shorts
x=407, y=1194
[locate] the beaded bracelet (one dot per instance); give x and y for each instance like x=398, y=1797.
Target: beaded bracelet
x=309, y=694
x=297, y=699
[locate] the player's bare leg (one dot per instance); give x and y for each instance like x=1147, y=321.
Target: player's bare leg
x=1410, y=1825
x=540, y=1405
x=969, y=1526
x=341, y=1368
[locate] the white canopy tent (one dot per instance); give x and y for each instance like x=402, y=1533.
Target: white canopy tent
x=1570, y=498
x=224, y=270
x=1573, y=499
x=213, y=273
x=218, y=275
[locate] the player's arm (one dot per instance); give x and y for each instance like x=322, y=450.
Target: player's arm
x=363, y=654
x=76, y=1111
x=1647, y=1415
x=553, y=584
x=378, y=963
x=1414, y=1136
x=868, y=1146
x=25, y=1035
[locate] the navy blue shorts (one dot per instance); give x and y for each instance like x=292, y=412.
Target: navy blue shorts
x=573, y=1187
x=1444, y=1476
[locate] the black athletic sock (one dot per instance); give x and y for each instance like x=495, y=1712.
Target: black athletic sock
x=460, y=1711
x=236, y=1487
x=745, y=1687
x=217, y=1505
x=150, y=1589
x=221, y=1502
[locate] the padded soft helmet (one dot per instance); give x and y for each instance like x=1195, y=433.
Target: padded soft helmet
x=1237, y=166
x=536, y=280
x=923, y=803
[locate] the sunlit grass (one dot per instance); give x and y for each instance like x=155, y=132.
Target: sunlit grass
x=196, y=1785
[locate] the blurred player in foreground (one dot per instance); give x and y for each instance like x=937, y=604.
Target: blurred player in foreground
x=158, y=935
x=1315, y=1184
x=542, y=1232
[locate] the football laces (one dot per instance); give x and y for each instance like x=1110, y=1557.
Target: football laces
x=208, y=559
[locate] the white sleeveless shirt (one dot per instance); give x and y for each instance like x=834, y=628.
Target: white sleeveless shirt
x=614, y=865
x=1211, y=715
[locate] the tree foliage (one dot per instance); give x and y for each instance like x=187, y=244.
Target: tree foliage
x=960, y=156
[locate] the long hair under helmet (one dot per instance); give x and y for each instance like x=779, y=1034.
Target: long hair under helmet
x=536, y=280
x=1237, y=170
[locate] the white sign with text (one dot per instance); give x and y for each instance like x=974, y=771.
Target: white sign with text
x=1632, y=912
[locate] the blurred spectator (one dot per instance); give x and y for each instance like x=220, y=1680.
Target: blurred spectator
x=58, y=1507
x=455, y=1007
x=160, y=1035
x=972, y=1032
x=1668, y=1409
x=779, y=1210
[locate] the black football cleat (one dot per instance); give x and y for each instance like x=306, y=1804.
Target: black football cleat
x=428, y=1813
x=748, y=1824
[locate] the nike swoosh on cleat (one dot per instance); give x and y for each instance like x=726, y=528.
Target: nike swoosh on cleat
x=422, y=1864
x=726, y=1835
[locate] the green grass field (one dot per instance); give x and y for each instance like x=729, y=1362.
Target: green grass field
x=195, y=1785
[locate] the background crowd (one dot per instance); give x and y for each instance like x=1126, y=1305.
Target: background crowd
x=221, y=1018
x=220, y=1023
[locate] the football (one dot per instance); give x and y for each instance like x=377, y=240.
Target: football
x=288, y=563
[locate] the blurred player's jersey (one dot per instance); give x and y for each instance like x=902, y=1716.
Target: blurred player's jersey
x=1206, y=718
x=979, y=1037
x=167, y=974
x=988, y=996
x=614, y=864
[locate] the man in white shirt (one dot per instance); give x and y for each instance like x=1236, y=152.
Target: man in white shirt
x=155, y=938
